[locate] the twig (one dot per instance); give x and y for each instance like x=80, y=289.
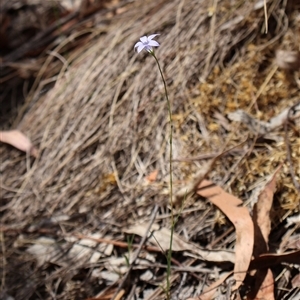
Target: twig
x=137, y=253
x=131, y=294
x=181, y=284
x=112, y=242
x=208, y=155
x=219, y=238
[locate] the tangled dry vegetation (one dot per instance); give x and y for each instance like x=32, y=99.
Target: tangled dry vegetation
x=72, y=219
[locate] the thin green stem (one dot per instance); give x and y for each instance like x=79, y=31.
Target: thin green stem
x=169, y=256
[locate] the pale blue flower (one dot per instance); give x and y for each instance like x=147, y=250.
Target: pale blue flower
x=146, y=43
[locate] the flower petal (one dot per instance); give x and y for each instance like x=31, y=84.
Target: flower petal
x=148, y=48
x=138, y=44
x=153, y=43
x=140, y=48
x=144, y=39
x=146, y=43
x=150, y=37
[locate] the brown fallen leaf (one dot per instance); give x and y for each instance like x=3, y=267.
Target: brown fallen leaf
x=269, y=260
x=296, y=281
x=18, y=140
x=233, y=208
x=264, y=281
x=261, y=215
x=152, y=176
x=263, y=287
x=261, y=262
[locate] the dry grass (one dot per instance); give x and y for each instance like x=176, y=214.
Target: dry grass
x=103, y=128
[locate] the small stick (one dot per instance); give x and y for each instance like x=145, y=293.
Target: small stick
x=131, y=294
x=207, y=155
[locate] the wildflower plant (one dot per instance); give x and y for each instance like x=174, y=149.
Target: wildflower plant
x=147, y=43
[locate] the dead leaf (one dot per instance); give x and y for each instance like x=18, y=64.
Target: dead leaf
x=296, y=281
x=44, y=250
x=264, y=281
x=272, y=259
x=261, y=215
x=48, y=250
x=288, y=60
x=263, y=287
x=232, y=207
x=152, y=176
x=18, y=140
x=161, y=238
